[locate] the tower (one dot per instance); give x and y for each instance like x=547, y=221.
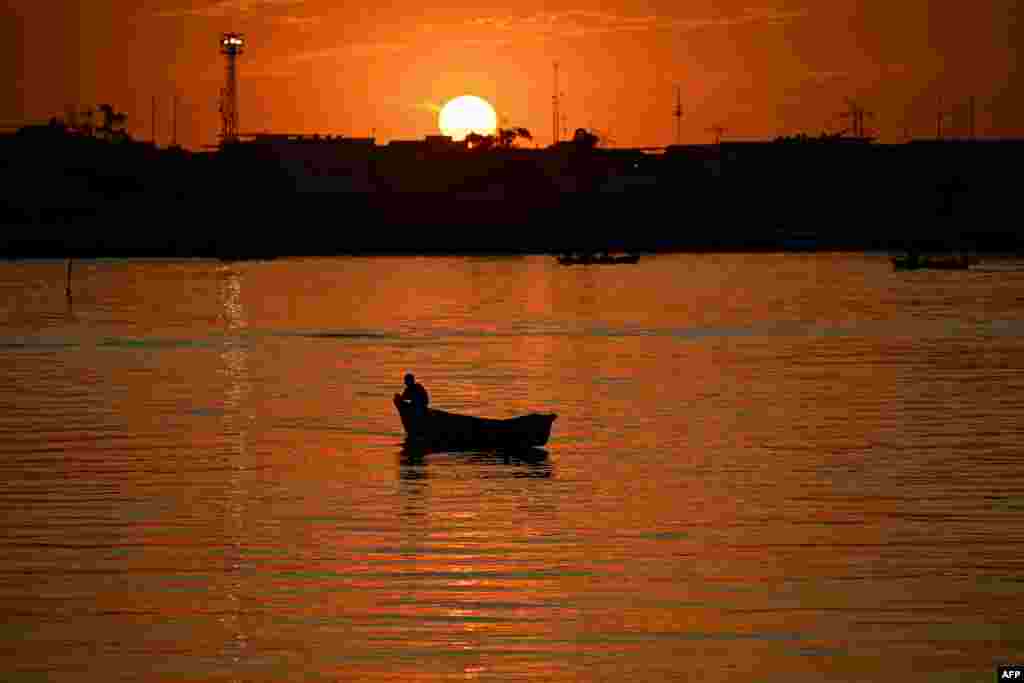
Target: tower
x=230, y=46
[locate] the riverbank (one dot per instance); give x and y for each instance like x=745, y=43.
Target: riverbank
x=73, y=196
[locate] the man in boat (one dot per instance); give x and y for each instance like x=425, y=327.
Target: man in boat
x=415, y=394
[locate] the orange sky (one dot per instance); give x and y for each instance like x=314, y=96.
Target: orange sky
x=758, y=69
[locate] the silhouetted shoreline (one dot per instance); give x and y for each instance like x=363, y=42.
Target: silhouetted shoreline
x=69, y=195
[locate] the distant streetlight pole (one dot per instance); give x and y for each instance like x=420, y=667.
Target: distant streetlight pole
x=554, y=113
x=972, y=116
x=678, y=113
x=231, y=45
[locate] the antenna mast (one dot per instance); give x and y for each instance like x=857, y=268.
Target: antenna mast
x=230, y=46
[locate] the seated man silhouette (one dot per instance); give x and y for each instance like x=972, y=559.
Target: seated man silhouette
x=415, y=394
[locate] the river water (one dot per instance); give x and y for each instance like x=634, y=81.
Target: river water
x=766, y=467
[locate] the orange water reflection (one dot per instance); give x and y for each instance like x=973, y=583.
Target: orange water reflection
x=767, y=466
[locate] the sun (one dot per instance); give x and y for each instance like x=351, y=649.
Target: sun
x=467, y=114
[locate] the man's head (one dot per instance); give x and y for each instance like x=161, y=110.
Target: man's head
x=409, y=379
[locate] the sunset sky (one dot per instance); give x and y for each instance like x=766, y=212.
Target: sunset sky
x=312, y=66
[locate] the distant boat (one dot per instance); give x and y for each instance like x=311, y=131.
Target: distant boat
x=441, y=430
x=799, y=242
x=915, y=262
x=232, y=259
x=598, y=259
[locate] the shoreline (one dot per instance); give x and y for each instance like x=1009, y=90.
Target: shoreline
x=157, y=256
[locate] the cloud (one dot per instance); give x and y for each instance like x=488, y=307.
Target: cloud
x=225, y=8
x=579, y=22
x=490, y=31
x=269, y=73
x=373, y=49
x=428, y=106
x=301, y=22
x=764, y=15
x=866, y=74
x=821, y=78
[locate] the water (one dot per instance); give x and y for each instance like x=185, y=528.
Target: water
x=766, y=468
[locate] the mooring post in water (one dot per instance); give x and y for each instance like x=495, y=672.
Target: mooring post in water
x=67, y=289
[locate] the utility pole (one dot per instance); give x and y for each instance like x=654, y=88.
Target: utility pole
x=153, y=124
x=554, y=110
x=174, y=123
x=971, y=104
x=678, y=113
x=856, y=114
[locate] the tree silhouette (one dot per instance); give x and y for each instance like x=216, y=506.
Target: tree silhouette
x=87, y=125
x=505, y=138
x=584, y=139
x=508, y=136
x=113, y=121
x=478, y=141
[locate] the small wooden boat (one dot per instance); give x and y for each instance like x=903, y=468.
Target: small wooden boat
x=440, y=430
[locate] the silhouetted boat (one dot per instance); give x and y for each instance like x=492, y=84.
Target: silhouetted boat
x=240, y=257
x=932, y=263
x=799, y=241
x=588, y=259
x=440, y=430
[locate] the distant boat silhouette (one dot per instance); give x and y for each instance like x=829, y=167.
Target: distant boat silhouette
x=598, y=259
x=915, y=262
x=232, y=259
x=441, y=430
x=799, y=241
